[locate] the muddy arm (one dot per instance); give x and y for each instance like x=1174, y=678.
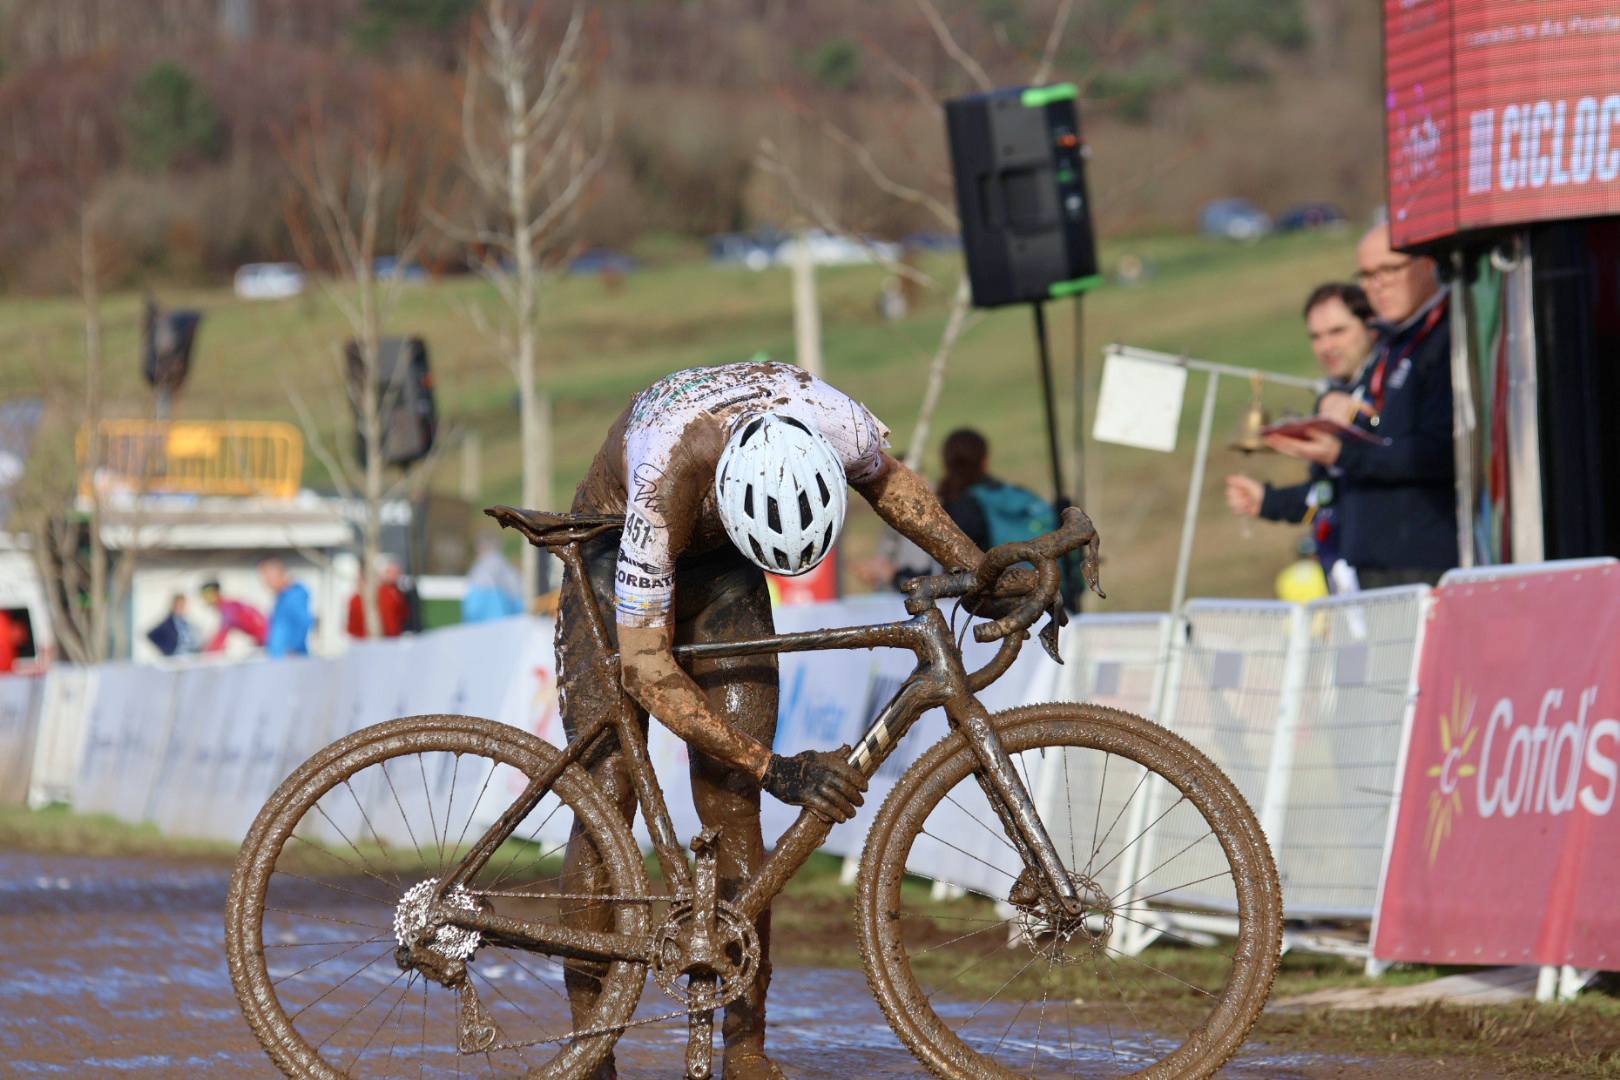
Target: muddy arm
x=654, y=679
x=909, y=505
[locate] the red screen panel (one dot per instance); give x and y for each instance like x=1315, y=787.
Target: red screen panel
x=1500, y=112
x=1418, y=117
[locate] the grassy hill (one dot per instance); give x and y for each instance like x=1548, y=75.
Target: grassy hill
x=1203, y=298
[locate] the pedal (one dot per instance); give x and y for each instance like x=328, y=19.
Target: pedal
x=476, y=1032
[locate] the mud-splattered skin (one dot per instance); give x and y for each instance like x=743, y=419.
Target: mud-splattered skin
x=724, y=709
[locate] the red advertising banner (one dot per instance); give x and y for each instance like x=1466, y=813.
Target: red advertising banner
x=1507, y=833
x=819, y=585
x=1499, y=112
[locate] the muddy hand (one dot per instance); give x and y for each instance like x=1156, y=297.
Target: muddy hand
x=822, y=782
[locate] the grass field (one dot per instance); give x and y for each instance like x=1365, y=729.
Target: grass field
x=1213, y=299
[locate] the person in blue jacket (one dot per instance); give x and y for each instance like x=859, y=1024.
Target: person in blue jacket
x=291, y=619
x=1395, y=489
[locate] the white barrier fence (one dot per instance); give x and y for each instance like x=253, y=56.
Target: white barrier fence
x=1302, y=706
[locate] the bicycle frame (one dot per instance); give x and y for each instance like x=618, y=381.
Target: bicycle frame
x=938, y=680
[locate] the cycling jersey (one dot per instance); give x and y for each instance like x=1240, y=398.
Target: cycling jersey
x=673, y=433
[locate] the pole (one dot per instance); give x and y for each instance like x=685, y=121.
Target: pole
x=1079, y=594
x=1079, y=401
x=806, y=311
x=1189, y=522
x=1051, y=406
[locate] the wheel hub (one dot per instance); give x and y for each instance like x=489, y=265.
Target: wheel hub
x=1049, y=930
x=448, y=943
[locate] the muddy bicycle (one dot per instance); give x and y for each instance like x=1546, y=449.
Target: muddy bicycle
x=401, y=905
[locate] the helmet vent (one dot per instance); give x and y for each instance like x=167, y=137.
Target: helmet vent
x=804, y=510
x=796, y=423
x=826, y=539
x=826, y=496
x=748, y=500
x=772, y=518
x=759, y=553
x=750, y=431
x=782, y=559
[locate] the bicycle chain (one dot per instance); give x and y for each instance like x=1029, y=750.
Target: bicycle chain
x=619, y=1028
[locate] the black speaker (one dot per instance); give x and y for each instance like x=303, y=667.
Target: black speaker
x=1019, y=165
x=169, y=337
x=404, y=393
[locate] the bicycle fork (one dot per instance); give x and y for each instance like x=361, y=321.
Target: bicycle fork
x=1011, y=800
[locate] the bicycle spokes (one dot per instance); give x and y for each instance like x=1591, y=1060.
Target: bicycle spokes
x=358, y=952
x=1043, y=990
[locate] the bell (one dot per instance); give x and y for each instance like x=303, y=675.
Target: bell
x=1255, y=418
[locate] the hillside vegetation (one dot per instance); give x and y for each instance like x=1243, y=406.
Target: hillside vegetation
x=1204, y=298
x=171, y=119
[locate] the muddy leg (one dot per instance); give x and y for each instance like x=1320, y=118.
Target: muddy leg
x=586, y=695
x=743, y=691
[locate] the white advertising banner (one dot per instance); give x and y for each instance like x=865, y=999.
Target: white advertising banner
x=64, y=728
x=19, y=724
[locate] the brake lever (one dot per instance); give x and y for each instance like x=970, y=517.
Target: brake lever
x=1049, y=634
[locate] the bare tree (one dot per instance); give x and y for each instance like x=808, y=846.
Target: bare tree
x=531, y=142
x=357, y=188
x=959, y=317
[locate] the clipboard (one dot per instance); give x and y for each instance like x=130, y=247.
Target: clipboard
x=1299, y=429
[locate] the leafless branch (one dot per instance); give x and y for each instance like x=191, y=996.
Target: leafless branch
x=952, y=49
x=1054, y=38
x=770, y=160
x=335, y=466
x=956, y=324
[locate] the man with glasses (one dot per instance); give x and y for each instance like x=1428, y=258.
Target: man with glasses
x=1396, y=489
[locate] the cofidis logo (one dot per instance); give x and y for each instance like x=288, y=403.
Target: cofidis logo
x=1510, y=767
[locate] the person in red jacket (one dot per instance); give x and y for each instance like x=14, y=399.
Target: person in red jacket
x=233, y=615
x=393, y=610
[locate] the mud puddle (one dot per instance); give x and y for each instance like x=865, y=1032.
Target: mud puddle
x=116, y=967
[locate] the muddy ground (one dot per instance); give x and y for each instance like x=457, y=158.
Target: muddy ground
x=115, y=967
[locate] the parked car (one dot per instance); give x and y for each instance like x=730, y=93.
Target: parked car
x=932, y=241
x=755, y=250
x=1317, y=215
x=602, y=261
x=1235, y=219
x=268, y=281
x=384, y=267
x=831, y=249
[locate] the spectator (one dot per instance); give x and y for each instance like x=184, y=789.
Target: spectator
x=174, y=635
x=290, y=618
x=13, y=640
x=988, y=510
x=1337, y=318
x=393, y=610
x=494, y=587
x=233, y=615
x=1395, y=493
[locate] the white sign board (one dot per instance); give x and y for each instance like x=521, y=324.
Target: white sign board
x=1140, y=403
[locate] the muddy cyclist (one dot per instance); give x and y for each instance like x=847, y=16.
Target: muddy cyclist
x=723, y=473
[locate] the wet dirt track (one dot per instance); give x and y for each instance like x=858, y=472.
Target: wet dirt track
x=112, y=967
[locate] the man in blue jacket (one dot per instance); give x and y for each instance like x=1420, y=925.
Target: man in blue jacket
x=1395, y=490
x=291, y=618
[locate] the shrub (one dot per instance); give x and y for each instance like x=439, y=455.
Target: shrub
x=171, y=121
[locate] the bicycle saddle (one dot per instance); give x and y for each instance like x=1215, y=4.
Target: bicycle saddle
x=542, y=528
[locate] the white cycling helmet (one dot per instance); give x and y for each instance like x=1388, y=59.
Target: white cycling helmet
x=781, y=493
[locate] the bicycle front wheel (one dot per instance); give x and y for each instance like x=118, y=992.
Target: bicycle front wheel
x=337, y=874
x=1164, y=971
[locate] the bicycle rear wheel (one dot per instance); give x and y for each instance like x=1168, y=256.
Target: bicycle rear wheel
x=341, y=861
x=1165, y=971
